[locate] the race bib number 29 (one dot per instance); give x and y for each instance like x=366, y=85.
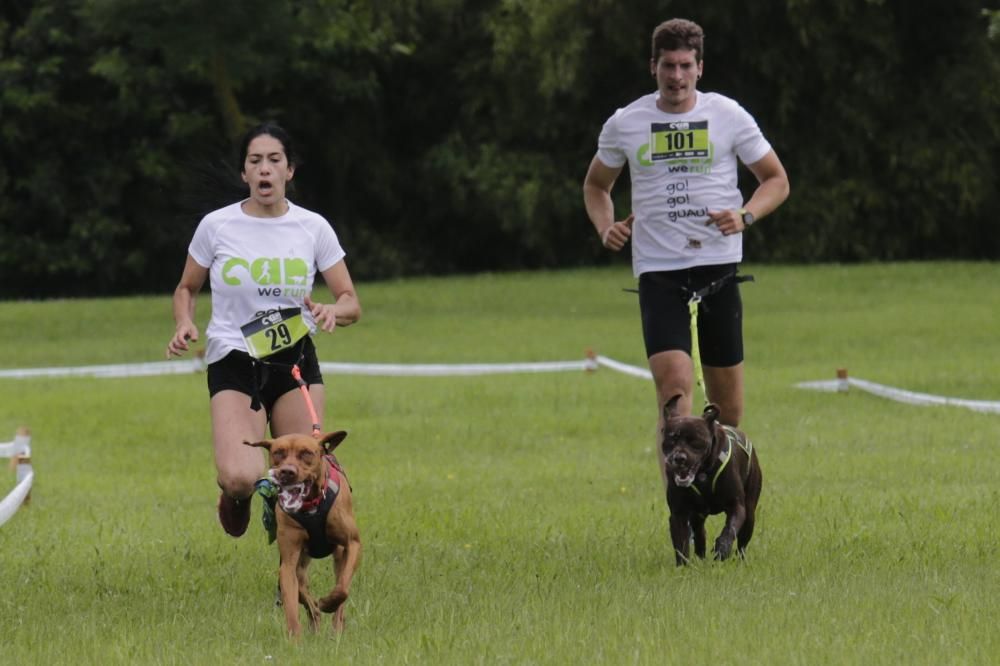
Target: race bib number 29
x=274, y=331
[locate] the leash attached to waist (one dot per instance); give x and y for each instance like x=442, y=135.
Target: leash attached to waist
x=715, y=286
x=273, y=332
x=265, y=336
x=297, y=375
x=694, y=301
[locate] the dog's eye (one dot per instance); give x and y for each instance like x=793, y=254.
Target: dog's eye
x=307, y=456
x=278, y=455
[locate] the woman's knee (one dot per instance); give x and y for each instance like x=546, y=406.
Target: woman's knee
x=237, y=483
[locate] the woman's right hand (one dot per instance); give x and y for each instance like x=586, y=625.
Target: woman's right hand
x=178, y=344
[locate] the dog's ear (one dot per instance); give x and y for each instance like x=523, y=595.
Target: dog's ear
x=331, y=440
x=263, y=444
x=670, y=409
x=711, y=414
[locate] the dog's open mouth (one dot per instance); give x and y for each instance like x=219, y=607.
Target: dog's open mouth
x=686, y=479
x=293, y=495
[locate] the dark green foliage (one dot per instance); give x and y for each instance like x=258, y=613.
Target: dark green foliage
x=453, y=135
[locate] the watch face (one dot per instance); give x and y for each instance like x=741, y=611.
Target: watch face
x=747, y=218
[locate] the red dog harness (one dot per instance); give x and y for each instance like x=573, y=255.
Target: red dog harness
x=312, y=515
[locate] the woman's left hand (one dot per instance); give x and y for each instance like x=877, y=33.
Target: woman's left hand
x=324, y=314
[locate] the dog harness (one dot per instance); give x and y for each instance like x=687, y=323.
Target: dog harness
x=311, y=515
x=736, y=437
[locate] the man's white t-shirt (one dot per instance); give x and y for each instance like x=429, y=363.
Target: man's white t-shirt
x=682, y=165
x=257, y=265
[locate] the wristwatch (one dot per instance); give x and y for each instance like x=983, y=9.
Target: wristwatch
x=747, y=217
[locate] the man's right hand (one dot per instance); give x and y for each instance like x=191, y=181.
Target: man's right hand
x=615, y=236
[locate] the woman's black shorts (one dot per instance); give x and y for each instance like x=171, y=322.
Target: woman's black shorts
x=265, y=380
x=666, y=320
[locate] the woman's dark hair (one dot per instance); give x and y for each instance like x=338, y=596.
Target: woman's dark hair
x=213, y=181
x=268, y=128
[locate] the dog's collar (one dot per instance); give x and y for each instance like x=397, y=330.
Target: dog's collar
x=311, y=505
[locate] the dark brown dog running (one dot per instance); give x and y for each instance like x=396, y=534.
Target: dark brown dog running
x=316, y=518
x=710, y=468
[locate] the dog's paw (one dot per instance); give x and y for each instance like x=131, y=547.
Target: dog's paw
x=331, y=602
x=723, y=547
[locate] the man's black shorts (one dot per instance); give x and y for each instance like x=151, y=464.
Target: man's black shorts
x=666, y=320
x=272, y=377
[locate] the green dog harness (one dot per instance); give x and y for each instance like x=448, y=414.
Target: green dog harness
x=733, y=436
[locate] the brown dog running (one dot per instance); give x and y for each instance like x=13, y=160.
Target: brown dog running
x=710, y=468
x=316, y=518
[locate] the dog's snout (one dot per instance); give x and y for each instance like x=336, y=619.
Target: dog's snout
x=679, y=457
x=285, y=474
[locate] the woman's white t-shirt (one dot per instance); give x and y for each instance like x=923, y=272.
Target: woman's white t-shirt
x=257, y=265
x=682, y=165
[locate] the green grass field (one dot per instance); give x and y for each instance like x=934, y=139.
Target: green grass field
x=519, y=519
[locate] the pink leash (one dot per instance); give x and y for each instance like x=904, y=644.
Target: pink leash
x=297, y=374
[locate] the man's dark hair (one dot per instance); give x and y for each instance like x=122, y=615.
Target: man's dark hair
x=678, y=35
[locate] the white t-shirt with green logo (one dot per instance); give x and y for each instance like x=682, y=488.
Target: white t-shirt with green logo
x=682, y=165
x=257, y=265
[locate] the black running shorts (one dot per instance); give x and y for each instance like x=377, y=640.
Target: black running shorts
x=273, y=376
x=666, y=320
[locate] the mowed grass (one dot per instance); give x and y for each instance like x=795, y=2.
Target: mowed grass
x=519, y=519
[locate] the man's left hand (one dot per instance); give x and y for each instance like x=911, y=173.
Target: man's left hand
x=728, y=221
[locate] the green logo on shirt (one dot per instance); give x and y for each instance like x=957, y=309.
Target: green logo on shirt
x=290, y=273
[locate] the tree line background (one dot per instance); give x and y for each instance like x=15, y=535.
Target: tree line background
x=445, y=136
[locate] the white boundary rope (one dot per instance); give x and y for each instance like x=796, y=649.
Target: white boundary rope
x=453, y=370
x=642, y=373
x=189, y=366
x=591, y=363
x=901, y=395
x=182, y=367
x=20, y=450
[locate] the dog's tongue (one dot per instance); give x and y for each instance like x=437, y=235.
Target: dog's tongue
x=684, y=481
x=291, y=497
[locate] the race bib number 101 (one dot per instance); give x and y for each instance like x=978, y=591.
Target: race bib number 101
x=274, y=331
x=678, y=140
